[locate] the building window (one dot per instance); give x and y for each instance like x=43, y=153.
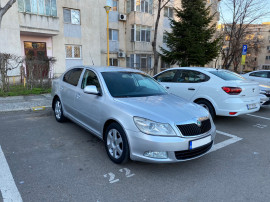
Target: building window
x=267, y=57
x=113, y=4
x=40, y=7
x=113, y=62
x=145, y=6
x=268, y=47
x=266, y=67
x=142, y=61
x=72, y=16
x=140, y=33
x=113, y=35
x=73, y=51
x=168, y=12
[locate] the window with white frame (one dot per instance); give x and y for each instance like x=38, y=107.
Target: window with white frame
x=267, y=57
x=40, y=7
x=140, y=33
x=113, y=62
x=113, y=35
x=140, y=61
x=72, y=16
x=168, y=12
x=145, y=6
x=268, y=47
x=73, y=52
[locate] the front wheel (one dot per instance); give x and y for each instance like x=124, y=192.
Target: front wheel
x=116, y=144
x=208, y=106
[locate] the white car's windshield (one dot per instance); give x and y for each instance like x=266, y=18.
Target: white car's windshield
x=132, y=84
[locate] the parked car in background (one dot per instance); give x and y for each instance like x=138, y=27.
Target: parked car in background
x=265, y=94
x=261, y=76
x=134, y=115
x=221, y=92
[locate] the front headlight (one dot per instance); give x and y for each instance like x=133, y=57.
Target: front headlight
x=153, y=128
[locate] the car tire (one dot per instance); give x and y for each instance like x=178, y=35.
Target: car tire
x=207, y=105
x=58, y=111
x=116, y=144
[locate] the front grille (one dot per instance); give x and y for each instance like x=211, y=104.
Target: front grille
x=193, y=129
x=189, y=154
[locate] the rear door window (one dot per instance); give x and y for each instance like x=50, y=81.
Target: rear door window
x=191, y=76
x=72, y=76
x=261, y=74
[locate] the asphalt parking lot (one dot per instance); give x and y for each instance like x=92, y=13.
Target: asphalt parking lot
x=42, y=160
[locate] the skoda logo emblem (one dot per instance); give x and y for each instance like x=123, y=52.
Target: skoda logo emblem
x=199, y=123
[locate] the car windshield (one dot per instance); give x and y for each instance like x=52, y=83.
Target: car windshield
x=132, y=84
x=227, y=75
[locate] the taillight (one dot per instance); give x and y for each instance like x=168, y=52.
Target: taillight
x=232, y=90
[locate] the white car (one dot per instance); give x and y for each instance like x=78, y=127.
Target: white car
x=261, y=76
x=221, y=92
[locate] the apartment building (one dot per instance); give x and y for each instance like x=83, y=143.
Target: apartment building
x=74, y=31
x=257, y=40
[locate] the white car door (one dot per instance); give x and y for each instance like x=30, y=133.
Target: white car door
x=188, y=83
x=260, y=76
x=167, y=79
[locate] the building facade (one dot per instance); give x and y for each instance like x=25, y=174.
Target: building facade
x=74, y=31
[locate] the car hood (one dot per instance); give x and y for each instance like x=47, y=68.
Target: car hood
x=163, y=108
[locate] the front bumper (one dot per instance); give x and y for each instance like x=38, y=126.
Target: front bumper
x=139, y=143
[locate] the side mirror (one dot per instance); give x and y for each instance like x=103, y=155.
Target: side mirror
x=91, y=90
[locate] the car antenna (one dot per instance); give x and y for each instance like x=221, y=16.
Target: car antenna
x=91, y=59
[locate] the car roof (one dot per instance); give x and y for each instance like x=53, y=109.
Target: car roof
x=111, y=69
x=198, y=68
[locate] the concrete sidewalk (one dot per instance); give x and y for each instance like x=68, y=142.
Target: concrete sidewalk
x=23, y=103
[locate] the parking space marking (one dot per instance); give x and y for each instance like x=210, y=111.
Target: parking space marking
x=258, y=116
x=260, y=126
x=233, y=139
x=7, y=185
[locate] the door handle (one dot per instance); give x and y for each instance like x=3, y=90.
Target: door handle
x=78, y=96
x=167, y=87
x=61, y=88
x=191, y=88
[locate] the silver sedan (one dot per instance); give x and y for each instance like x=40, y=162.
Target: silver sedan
x=133, y=114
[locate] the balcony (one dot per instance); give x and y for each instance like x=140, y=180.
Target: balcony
x=39, y=24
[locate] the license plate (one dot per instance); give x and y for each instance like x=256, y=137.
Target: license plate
x=200, y=142
x=251, y=106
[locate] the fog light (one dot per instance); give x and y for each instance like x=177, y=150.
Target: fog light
x=156, y=154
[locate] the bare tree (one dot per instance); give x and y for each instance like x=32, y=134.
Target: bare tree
x=160, y=5
x=8, y=62
x=4, y=9
x=242, y=14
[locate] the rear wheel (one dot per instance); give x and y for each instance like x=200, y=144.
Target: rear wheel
x=207, y=105
x=116, y=144
x=58, y=111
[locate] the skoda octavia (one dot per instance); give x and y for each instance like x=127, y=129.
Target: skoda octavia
x=133, y=114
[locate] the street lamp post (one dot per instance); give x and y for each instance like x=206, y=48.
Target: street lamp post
x=107, y=8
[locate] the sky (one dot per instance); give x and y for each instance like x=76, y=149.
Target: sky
x=227, y=14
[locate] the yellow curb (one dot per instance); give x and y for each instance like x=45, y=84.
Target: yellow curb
x=38, y=108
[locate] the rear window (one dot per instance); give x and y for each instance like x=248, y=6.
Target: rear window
x=227, y=75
